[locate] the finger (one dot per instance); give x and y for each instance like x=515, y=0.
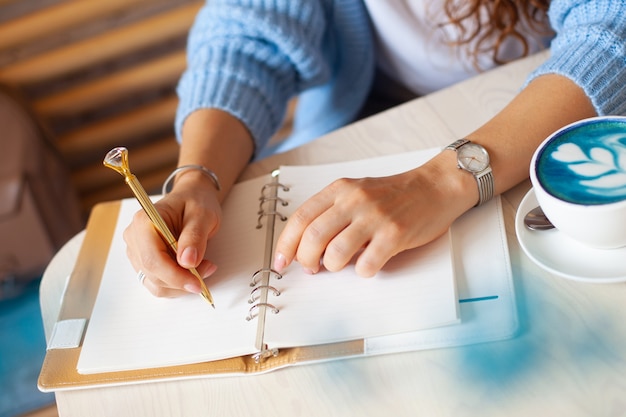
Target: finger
x=160, y=289
x=163, y=270
x=342, y=248
x=199, y=225
x=291, y=236
x=206, y=268
x=141, y=239
x=317, y=236
x=147, y=252
x=376, y=254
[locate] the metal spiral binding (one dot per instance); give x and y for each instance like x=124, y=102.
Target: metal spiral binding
x=273, y=199
x=273, y=185
x=259, y=225
x=262, y=290
x=257, y=273
x=253, y=297
x=257, y=307
x=264, y=199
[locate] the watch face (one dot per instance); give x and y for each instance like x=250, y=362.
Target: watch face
x=472, y=157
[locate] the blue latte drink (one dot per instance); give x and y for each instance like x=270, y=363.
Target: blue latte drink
x=579, y=178
x=586, y=164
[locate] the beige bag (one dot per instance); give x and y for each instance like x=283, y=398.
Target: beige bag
x=39, y=210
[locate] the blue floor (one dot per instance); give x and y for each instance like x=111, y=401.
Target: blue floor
x=22, y=349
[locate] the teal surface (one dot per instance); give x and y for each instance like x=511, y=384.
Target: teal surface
x=22, y=350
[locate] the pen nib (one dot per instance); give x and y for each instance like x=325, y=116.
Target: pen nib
x=207, y=300
x=205, y=295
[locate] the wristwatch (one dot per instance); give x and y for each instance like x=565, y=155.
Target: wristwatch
x=474, y=158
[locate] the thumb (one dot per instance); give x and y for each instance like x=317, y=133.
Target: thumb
x=189, y=257
x=197, y=229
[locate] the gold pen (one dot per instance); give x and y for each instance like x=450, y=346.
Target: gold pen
x=117, y=160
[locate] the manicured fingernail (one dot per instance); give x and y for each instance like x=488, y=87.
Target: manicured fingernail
x=309, y=271
x=192, y=288
x=210, y=271
x=280, y=262
x=188, y=257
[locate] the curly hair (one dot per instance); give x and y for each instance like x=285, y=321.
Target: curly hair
x=484, y=25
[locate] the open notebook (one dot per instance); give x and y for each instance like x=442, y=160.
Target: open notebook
x=412, y=304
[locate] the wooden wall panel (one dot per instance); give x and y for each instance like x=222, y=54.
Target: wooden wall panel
x=100, y=74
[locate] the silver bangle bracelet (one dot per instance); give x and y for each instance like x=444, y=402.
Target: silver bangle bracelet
x=180, y=169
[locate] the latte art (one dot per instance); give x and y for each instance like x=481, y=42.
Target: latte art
x=586, y=165
x=578, y=175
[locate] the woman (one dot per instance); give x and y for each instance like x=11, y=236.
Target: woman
x=248, y=58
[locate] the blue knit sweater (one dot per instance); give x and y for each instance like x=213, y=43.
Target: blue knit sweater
x=249, y=57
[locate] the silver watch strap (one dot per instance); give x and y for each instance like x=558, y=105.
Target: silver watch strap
x=457, y=144
x=485, y=186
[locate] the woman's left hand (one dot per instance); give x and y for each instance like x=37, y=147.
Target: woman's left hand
x=372, y=218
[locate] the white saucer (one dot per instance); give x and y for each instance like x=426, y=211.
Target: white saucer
x=563, y=256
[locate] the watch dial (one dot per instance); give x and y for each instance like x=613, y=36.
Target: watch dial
x=473, y=157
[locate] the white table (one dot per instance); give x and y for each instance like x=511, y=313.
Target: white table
x=569, y=360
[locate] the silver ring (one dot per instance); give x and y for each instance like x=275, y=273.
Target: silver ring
x=141, y=276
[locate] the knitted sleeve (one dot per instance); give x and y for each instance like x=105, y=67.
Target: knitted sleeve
x=250, y=57
x=590, y=49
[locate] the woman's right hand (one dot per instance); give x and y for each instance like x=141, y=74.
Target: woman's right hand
x=192, y=212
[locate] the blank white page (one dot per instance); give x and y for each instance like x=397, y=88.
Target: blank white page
x=415, y=290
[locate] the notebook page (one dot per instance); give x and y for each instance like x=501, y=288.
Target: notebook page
x=131, y=329
x=415, y=290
